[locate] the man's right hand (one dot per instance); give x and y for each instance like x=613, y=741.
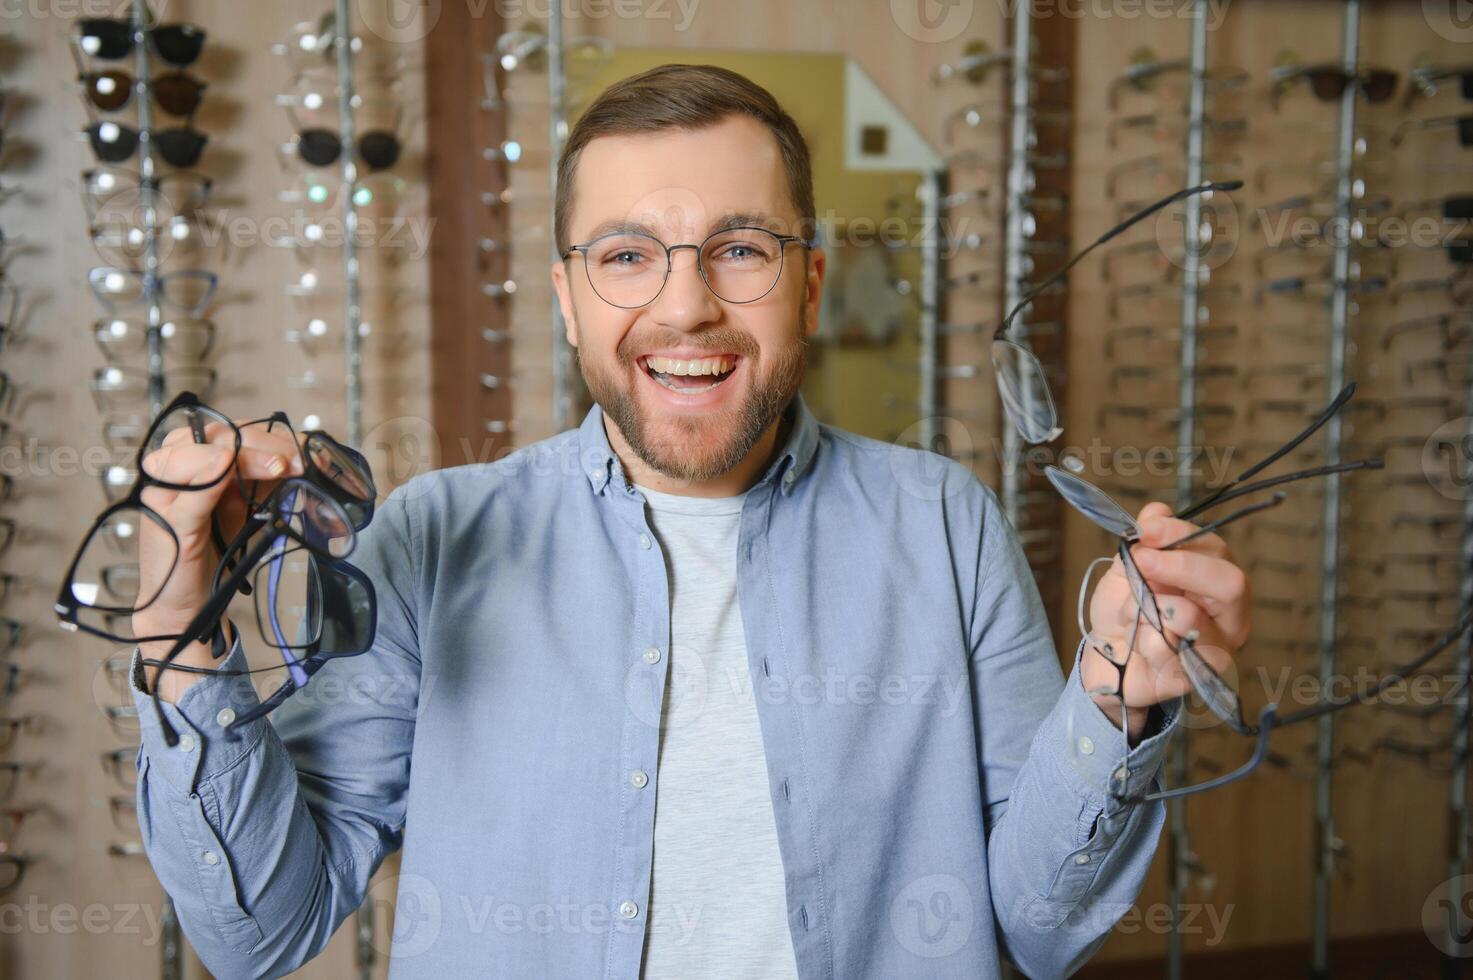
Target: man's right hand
x=264, y=456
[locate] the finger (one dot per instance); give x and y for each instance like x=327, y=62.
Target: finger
x=214, y=432
x=1183, y=616
x=1217, y=584
x=1159, y=530
x=276, y=440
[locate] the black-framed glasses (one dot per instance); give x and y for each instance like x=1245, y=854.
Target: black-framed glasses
x=112, y=39
x=1021, y=381
x=114, y=142
x=629, y=269
x=83, y=587
x=297, y=514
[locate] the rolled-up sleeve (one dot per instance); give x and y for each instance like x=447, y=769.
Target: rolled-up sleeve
x=1065, y=861
x=266, y=837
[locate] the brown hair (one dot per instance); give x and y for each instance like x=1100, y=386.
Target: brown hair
x=683, y=97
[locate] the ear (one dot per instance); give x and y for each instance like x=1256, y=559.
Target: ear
x=813, y=287
x=564, y=290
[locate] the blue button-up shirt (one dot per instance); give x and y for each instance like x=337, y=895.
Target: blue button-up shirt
x=931, y=814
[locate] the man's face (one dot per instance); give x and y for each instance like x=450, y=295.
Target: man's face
x=680, y=185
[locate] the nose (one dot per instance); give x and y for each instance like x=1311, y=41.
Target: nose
x=685, y=302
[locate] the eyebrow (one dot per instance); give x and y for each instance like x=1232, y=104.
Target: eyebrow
x=732, y=219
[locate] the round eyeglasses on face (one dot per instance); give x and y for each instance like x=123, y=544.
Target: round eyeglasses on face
x=739, y=265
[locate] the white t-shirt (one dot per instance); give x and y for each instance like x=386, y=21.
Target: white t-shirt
x=717, y=904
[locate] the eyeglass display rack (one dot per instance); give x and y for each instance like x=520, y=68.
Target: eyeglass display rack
x=531, y=72
x=1342, y=539
x=1327, y=844
x=1182, y=862
x=171, y=934
x=1022, y=190
x=337, y=28
x=1034, y=225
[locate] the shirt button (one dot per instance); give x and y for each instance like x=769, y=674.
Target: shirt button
x=225, y=717
x=788, y=477
x=1081, y=859
x=644, y=540
x=638, y=779
x=211, y=857
x=1086, y=745
x=652, y=655
x=628, y=909
x=186, y=742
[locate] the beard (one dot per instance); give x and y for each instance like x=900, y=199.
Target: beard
x=697, y=449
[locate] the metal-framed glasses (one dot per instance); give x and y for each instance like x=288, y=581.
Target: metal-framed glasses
x=1021, y=382
x=629, y=269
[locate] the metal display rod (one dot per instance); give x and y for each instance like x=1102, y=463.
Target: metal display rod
x=932, y=187
x=1459, y=824
x=365, y=954
x=1180, y=859
x=1014, y=237
x=1327, y=845
x=557, y=126
x=343, y=47
x=171, y=946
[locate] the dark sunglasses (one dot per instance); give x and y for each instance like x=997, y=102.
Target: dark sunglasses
x=114, y=142
x=1329, y=82
x=378, y=149
x=175, y=92
x=111, y=40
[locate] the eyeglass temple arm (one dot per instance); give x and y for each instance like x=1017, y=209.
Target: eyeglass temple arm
x=1274, y=481
x=1399, y=674
x=1267, y=722
x=1251, y=509
x=1225, y=185
x=1212, y=498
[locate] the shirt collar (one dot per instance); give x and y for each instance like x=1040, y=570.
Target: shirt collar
x=599, y=464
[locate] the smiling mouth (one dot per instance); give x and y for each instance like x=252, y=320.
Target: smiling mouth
x=689, y=384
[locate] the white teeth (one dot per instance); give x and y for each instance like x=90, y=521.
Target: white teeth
x=705, y=365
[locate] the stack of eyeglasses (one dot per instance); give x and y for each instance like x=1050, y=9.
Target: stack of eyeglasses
x=146, y=225
x=288, y=554
x=1210, y=672
x=327, y=179
x=516, y=218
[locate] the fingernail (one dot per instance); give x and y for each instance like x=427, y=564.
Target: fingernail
x=275, y=465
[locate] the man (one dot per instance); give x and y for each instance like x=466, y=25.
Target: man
x=699, y=689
